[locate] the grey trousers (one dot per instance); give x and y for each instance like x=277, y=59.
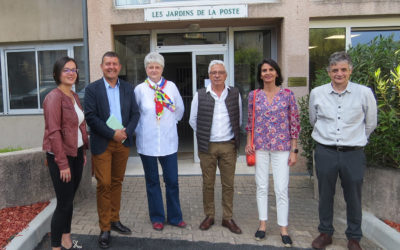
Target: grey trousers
x=350, y=167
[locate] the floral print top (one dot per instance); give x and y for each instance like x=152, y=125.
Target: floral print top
x=275, y=123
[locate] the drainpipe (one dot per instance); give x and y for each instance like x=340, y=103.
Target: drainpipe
x=85, y=41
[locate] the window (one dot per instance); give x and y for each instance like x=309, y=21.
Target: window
x=322, y=43
x=79, y=57
x=46, y=61
x=22, y=80
x=328, y=36
x=28, y=76
x=364, y=35
x=250, y=48
x=132, y=50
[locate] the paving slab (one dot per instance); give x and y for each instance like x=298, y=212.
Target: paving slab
x=303, y=214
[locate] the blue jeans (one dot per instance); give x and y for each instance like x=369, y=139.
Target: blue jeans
x=169, y=164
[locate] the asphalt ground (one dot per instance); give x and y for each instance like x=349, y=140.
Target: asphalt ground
x=89, y=242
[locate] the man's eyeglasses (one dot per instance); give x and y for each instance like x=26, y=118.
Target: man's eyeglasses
x=67, y=70
x=218, y=72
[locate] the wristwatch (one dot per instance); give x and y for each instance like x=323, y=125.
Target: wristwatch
x=295, y=150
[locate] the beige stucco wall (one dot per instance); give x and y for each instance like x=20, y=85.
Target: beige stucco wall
x=40, y=20
x=339, y=8
x=24, y=131
x=293, y=15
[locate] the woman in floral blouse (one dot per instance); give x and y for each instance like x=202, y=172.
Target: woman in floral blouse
x=276, y=129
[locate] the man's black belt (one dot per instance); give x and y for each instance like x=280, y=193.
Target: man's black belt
x=341, y=148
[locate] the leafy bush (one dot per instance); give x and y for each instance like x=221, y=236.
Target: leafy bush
x=384, y=143
x=375, y=65
x=306, y=141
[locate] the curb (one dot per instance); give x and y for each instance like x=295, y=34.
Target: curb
x=30, y=237
x=380, y=233
x=377, y=231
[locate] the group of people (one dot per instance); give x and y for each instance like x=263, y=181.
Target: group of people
x=342, y=113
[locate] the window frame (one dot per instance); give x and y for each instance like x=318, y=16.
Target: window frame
x=349, y=24
x=69, y=47
x=2, y=82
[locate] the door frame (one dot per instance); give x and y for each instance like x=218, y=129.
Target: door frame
x=196, y=50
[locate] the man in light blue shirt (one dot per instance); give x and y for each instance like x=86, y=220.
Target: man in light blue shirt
x=113, y=99
x=343, y=115
x=110, y=97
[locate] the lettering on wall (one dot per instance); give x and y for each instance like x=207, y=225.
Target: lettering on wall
x=195, y=12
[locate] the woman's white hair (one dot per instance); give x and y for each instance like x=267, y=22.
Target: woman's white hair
x=214, y=62
x=154, y=57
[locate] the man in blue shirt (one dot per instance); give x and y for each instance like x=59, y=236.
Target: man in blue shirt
x=110, y=98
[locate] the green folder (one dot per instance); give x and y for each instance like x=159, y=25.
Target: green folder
x=113, y=123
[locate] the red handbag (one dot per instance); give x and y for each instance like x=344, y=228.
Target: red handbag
x=251, y=158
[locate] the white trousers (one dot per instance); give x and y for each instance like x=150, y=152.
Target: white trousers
x=280, y=171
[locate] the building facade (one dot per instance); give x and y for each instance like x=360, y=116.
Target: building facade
x=33, y=35
x=299, y=34
x=241, y=33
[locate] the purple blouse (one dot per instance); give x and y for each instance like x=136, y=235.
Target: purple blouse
x=275, y=124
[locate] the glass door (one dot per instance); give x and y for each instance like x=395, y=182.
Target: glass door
x=200, y=62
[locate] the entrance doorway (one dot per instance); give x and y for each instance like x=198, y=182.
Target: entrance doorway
x=189, y=71
x=178, y=69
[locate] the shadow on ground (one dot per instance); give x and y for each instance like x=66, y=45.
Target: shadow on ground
x=89, y=242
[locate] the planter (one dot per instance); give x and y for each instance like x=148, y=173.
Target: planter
x=24, y=179
x=380, y=193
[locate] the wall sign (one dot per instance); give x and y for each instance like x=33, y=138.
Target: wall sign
x=195, y=12
x=297, y=81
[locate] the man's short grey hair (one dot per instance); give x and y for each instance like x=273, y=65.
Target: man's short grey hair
x=339, y=57
x=154, y=57
x=214, y=62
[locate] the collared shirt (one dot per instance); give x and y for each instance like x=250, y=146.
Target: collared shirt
x=221, y=128
x=113, y=99
x=157, y=137
x=342, y=119
x=275, y=123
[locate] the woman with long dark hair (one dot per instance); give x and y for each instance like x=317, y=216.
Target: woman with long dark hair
x=65, y=142
x=276, y=129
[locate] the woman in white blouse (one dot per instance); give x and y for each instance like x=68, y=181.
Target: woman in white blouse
x=160, y=107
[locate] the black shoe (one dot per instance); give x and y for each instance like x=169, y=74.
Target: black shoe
x=104, y=239
x=259, y=235
x=286, y=240
x=118, y=227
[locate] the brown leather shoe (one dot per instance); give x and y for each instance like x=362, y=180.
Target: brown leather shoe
x=231, y=225
x=353, y=245
x=207, y=223
x=322, y=241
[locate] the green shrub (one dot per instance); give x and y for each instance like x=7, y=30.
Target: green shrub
x=306, y=141
x=383, y=148
x=375, y=65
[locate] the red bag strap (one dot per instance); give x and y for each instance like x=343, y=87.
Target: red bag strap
x=252, y=122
